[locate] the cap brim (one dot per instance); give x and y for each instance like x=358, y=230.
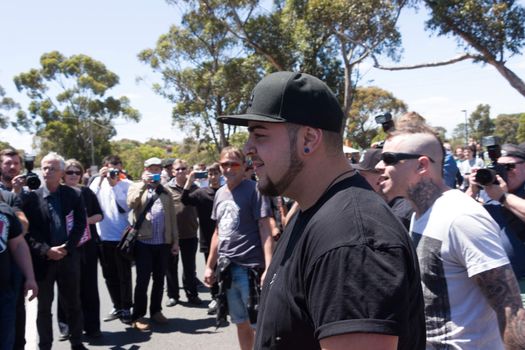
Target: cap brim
x=243, y=119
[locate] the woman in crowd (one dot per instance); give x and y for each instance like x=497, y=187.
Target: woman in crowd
x=88, y=251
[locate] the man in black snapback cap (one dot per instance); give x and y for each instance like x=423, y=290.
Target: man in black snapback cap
x=344, y=273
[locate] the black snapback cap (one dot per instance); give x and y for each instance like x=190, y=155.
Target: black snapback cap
x=371, y=157
x=287, y=97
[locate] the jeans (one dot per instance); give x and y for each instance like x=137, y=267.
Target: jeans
x=238, y=294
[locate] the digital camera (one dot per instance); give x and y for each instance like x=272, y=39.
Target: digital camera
x=32, y=179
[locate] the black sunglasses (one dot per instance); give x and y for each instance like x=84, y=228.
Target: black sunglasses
x=73, y=172
x=392, y=158
x=510, y=166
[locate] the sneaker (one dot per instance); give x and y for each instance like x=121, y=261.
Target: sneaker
x=172, y=302
x=159, y=318
x=195, y=300
x=141, y=325
x=113, y=315
x=125, y=316
x=63, y=329
x=212, y=307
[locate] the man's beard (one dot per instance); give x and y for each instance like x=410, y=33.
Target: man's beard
x=7, y=177
x=278, y=188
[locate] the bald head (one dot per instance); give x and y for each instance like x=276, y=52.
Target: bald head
x=420, y=143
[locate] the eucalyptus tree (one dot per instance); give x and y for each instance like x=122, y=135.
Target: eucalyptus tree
x=369, y=102
x=328, y=39
x=70, y=110
x=489, y=32
x=202, y=75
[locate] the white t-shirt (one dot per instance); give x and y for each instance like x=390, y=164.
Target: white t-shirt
x=456, y=239
x=114, y=222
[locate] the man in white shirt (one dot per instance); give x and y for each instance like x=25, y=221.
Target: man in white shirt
x=467, y=280
x=111, y=188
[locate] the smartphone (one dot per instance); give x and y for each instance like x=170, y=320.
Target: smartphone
x=201, y=174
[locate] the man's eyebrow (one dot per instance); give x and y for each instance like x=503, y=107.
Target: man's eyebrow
x=253, y=128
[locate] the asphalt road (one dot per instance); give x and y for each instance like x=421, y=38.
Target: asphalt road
x=189, y=326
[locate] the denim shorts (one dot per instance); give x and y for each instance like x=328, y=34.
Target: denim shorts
x=238, y=294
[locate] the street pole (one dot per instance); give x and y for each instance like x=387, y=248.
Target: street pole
x=466, y=127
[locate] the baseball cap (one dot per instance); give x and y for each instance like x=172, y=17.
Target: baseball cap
x=152, y=161
x=370, y=158
x=510, y=150
x=288, y=97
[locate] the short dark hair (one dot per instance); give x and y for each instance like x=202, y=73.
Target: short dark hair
x=214, y=167
x=9, y=152
x=112, y=159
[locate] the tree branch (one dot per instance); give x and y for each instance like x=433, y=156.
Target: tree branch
x=463, y=57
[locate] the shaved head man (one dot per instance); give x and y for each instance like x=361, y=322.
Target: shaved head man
x=466, y=276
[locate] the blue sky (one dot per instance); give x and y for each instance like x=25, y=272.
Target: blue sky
x=115, y=31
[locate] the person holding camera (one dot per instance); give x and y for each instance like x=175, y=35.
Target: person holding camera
x=188, y=241
x=503, y=192
x=156, y=237
x=112, y=189
x=11, y=192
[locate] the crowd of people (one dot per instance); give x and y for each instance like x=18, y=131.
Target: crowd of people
x=304, y=249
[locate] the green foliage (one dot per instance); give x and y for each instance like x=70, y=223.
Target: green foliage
x=69, y=109
x=324, y=38
x=490, y=31
x=133, y=155
x=361, y=128
x=202, y=76
x=508, y=127
x=520, y=137
x=6, y=104
x=494, y=28
x=479, y=123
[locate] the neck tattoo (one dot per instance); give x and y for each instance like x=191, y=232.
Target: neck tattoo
x=423, y=195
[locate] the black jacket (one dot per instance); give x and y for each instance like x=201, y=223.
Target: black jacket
x=39, y=235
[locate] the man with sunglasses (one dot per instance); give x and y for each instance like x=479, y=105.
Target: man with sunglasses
x=505, y=201
x=467, y=280
x=344, y=274
x=188, y=241
x=241, y=239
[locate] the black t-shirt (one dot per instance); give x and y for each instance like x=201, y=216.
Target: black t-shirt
x=345, y=265
x=92, y=208
x=10, y=228
x=202, y=199
x=403, y=210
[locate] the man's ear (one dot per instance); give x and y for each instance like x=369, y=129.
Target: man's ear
x=312, y=139
x=423, y=164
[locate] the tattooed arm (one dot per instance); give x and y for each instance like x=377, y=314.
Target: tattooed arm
x=501, y=289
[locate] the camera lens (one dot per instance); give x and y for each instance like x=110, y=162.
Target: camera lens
x=485, y=177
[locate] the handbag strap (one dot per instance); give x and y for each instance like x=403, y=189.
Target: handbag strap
x=148, y=206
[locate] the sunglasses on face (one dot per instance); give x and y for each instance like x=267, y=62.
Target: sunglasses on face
x=392, y=158
x=181, y=169
x=510, y=166
x=73, y=172
x=231, y=165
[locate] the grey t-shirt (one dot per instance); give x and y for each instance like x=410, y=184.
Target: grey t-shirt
x=237, y=213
